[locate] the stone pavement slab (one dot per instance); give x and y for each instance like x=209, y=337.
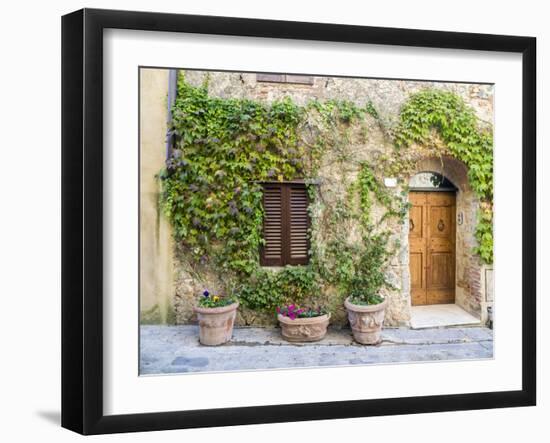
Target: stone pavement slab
x=437, y=316
x=176, y=349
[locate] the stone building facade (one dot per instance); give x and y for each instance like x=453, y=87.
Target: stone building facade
x=169, y=286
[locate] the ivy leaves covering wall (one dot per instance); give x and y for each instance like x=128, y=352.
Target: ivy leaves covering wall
x=211, y=190
x=369, y=277
x=458, y=127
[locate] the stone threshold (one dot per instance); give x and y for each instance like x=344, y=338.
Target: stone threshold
x=441, y=316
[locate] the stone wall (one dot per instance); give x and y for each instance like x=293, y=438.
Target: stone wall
x=387, y=97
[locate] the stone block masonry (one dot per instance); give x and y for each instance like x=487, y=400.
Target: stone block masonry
x=182, y=282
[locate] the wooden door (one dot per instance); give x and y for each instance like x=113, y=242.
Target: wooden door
x=432, y=247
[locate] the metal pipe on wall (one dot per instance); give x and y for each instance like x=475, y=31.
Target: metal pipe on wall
x=172, y=91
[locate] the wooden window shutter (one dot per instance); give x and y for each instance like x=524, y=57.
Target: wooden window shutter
x=271, y=78
x=299, y=79
x=285, y=78
x=286, y=225
x=272, y=250
x=298, y=246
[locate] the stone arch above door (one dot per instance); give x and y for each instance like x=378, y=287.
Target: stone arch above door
x=431, y=181
x=451, y=168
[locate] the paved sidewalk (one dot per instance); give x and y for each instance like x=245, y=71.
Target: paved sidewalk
x=176, y=349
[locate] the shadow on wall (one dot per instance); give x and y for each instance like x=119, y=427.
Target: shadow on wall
x=53, y=417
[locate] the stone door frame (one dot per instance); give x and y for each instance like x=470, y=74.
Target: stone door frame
x=471, y=276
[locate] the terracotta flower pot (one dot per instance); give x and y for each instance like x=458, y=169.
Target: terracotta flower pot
x=366, y=321
x=303, y=329
x=216, y=324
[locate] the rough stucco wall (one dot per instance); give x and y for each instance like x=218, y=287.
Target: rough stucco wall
x=156, y=245
x=387, y=97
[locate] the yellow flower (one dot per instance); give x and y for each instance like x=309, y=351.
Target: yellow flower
x=280, y=177
x=216, y=298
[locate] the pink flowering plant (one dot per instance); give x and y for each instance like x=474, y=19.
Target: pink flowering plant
x=208, y=300
x=294, y=311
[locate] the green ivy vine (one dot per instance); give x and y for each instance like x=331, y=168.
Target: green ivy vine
x=369, y=186
x=434, y=113
x=210, y=187
x=266, y=288
x=356, y=264
x=375, y=250
x=212, y=193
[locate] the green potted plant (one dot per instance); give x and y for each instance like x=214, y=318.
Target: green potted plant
x=302, y=324
x=365, y=306
x=216, y=315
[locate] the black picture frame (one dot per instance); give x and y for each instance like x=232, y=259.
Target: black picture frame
x=82, y=218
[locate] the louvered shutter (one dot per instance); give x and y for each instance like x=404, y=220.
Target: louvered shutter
x=272, y=78
x=298, y=225
x=299, y=79
x=285, y=78
x=286, y=224
x=272, y=250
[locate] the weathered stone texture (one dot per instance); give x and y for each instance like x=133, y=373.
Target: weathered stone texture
x=387, y=96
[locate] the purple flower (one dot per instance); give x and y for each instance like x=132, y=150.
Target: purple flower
x=206, y=293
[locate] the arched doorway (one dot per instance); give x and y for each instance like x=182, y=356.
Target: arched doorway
x=471, y=278
x=432, y=239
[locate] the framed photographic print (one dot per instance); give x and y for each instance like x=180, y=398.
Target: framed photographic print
x=269, y=221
